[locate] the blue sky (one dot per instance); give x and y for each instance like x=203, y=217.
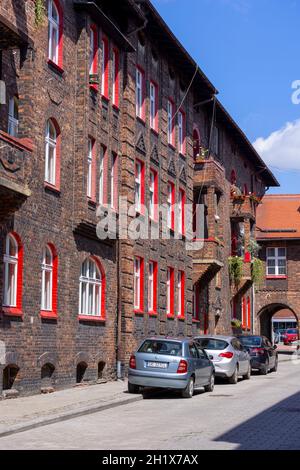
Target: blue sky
x=250, y=50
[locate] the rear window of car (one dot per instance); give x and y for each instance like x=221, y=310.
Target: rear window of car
x=212, y=343
x=168, y=348
x=250, y=340
x=292, y=331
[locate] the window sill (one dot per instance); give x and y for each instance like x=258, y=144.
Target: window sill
x=141, y=120
x=154, y=131
x=152, y=314
x=51, y=187
x=170, y=316
x=91, y=318
x=116, y=108
x=172, y=147
x=105, y=98
x=276, y=277
x=12, y=311
x=93, y=87
x=49, y=315
x=181, y=317
x=196, y=321
x=183, y=155
x=55, y=66
x=139, y=312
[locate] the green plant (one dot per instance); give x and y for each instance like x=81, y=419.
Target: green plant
x=253, y=247
x=235, y=266
x=39, y=10
x=235, y=323
x=257, y=272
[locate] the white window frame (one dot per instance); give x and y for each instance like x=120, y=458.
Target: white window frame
x=90, y=169
x=139, y=93
x=137, y=283
x=138, y=186
x=169, y=205
x=181, y=211
x=153, y=175
x=101, y=175
x=92, y=50
x=170, y=122
x=90, y=281
x=151, y=286
x=276, y=258
x=10, y=289
x=50, y=143
x=53, y=25
x=46, y=297
x=168, y=309
x=153, y=105
x=104, y=56
x=114, y=84
x=13, y=118
x=181, y=131
x=179, y=291
x=112, y=180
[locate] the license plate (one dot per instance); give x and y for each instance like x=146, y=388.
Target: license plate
x=157, y=365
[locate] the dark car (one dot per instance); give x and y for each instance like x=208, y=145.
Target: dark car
x=290, y=336
x=263, y=354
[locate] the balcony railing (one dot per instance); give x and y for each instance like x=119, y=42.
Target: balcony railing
x=243, y=206
x=209, y=172
x=208, y=258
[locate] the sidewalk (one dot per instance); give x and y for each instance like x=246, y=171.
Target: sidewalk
x=25, y=413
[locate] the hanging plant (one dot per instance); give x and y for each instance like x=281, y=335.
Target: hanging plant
x=39, y=11
x=257, y=272
x=235, y=266
x=235, y=323
x=253, y=248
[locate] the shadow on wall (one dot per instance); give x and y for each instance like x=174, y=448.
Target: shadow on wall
x=277, y=428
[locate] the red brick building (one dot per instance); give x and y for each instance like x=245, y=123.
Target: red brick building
x=278, y=233
x=98, y=103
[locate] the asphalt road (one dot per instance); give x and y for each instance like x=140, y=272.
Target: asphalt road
x=262, y=413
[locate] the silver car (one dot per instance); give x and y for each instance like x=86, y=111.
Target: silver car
x=230, y=358
x=170, y=363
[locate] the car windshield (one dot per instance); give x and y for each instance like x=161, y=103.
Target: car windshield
x=292, y=331
x=212, y=343
x=168, y=348
x=250, y=340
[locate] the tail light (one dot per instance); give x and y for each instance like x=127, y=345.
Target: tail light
x=227, y=355
x=182, y=367
x=132, y=362
x=258, y=351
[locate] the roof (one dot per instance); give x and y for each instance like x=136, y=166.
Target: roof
x=278, y=217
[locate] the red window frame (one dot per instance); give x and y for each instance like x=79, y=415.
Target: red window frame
x=182, y=209
x=172, y=186
x=17, y=310
x=116, y=78
x=249, y=313
x=142, y=185
x=181, y=300
x=182, y=145
x=94, y=318
x=171, y=137
x=115, y=181
x=140, y=308
x=59, y=64
x=93, y=196
x=244, y=313
x=105, y=68
x=154, y=127
x=170, y=292
x=53, y=313
x=55, y=186
x=155, y=194
x=143, y=91
x=94, y=65
x=155, y=277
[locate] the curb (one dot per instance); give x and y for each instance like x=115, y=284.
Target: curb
x=67, y=416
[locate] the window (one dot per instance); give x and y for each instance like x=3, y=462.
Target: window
x=49, y=282
x=138, y=284
x=244, y=313
x=248, y=313
x=180, y=290
x=181, y=132
x=93, y=69
x=196, y=143
x=91, y=290
x=55, y=30
x=52, y=154
x=139, y=94
x=170, y=292
x=13, y=116
x=102, y=176
x=114, y=181
x=170, y=206
x=105, y=70
x=153, y=106
x=139, y=186
x=152, y=287
x=276, y=262
x=91, y=170
x=170, y=123
x=153, y=199
x=115, y=77
x=13, y=260
x=181, y=208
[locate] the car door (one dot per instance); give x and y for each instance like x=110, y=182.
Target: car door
x=206, y=366
x=270, y=351
x=242, y=356
x=195, y=362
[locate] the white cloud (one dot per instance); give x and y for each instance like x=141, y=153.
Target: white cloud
x=282, y=148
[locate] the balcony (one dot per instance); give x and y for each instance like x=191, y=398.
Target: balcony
x=207, y=258
x=243, y=207
x=245, y=281
x=209, y=173
x=14, y=159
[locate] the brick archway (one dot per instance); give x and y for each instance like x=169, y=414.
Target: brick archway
x=265, y=315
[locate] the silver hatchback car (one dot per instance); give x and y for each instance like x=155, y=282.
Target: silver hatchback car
x=230, y=358
x=170, y=363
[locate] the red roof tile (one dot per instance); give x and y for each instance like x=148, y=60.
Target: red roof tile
x=278, y=217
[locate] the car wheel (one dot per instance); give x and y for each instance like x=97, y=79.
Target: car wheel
x=188, y=392
x=274, y=369
x=264, y=369
x=234, y=378
x=133, y=388
x=248, y=375
x=210, y=387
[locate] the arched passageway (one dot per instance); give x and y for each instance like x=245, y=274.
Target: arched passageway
x=267, y=313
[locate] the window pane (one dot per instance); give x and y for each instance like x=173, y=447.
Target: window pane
x=271, y=262
x=281, y=252
x=271, y=271
x=271, y=252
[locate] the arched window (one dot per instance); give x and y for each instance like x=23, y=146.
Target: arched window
x=52, y=154
x=55, y=20
x=49, y=282
x=196, y=143
x=13, y=265
x=13, y=116
x=92, y=290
